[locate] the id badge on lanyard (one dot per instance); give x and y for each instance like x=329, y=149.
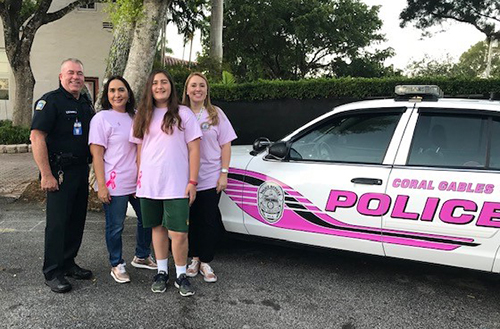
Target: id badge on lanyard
x=77, y=128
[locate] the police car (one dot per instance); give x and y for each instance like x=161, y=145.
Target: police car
x=414, y=177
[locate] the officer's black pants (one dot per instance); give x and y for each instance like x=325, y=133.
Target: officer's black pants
x=66, y=213
x=205, y=225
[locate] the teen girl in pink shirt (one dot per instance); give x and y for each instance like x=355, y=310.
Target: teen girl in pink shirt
x=114, y=161
x=168, y=155
x=205, y=217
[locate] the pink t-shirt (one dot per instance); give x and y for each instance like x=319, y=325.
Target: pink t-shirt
x=210, y=148
x=111, y=130
x=164, y=171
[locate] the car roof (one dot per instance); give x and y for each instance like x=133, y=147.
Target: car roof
x=442, y=103
x=452, y=103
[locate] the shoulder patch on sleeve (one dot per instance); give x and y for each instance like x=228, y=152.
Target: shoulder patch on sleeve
x=40, y=104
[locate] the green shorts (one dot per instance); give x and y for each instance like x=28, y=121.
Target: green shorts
x=172, y=213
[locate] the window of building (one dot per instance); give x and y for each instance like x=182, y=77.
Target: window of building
x=4, y=75
x=90, y=6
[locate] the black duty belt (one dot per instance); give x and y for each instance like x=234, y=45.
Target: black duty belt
x=65, y=160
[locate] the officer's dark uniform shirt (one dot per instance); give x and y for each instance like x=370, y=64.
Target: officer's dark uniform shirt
x=58, y=113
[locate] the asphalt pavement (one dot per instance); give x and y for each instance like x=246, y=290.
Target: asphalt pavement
x=260, y=285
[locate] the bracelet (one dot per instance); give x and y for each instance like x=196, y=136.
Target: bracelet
x=193, y=182
x=224, y=171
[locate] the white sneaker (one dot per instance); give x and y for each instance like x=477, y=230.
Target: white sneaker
x=193, y=268
x=120, y=274
x=208, y=273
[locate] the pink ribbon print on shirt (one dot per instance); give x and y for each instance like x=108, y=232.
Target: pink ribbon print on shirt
x=111, y=181
x=139, y=179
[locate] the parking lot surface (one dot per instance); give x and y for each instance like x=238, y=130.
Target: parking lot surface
x=261, y=285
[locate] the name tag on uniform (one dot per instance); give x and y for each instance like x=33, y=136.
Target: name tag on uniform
x=77, y=128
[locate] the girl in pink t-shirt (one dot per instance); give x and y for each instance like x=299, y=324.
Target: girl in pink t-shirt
x=168, y=155
x=205, y=217
x=114, y=161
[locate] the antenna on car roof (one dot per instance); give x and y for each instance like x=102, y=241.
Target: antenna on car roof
x=494, y=96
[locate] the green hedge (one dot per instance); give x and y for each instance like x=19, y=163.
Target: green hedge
x=346, y=87
x=13, y=135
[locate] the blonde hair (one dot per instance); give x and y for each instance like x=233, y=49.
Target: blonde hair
x=213, y=115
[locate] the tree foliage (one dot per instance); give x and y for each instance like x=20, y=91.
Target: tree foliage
x=124, y=11
x=471, y=64
x=432, y=67
x=484, y=15
x=367, y=65
x=293, y=39
x=188, y=16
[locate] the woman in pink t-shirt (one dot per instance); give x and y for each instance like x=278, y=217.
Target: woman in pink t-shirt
x=114, y=161
x=205, y=217
x=168, y=155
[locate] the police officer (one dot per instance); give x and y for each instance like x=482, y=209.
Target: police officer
x=59, y=135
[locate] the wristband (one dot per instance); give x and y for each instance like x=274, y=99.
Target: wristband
x=224, y=171
x=193, y=182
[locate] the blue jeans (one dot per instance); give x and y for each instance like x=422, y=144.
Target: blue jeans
x=115, y=213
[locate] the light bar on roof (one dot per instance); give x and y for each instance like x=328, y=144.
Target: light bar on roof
x=419, y=90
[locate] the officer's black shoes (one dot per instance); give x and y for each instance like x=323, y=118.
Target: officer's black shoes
x=59, y=284
x=76, y=272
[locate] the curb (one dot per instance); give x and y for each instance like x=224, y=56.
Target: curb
x=18, y=148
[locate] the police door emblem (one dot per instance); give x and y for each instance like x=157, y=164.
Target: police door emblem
x=271, y=200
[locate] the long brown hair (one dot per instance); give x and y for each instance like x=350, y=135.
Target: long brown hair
x=146, y=106
x=213, y=115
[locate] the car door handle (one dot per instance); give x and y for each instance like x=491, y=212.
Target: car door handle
x=366, y=181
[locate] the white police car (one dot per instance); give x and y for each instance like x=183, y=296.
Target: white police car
x=414, y=177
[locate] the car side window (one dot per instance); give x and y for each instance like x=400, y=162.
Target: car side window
x=450, y=140
x=355, y=137
x=494, y=162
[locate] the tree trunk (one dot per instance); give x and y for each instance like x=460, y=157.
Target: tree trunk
x=492, y=43
x=190, y=49
x=487, y=72
x=118, y=55
x=23, y=97
x=216, y=21
x=142, y=50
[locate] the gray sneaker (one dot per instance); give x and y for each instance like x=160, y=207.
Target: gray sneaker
x=182, y=283
x=160, y=282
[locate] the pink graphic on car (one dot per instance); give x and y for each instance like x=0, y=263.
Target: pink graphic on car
x=300, y=214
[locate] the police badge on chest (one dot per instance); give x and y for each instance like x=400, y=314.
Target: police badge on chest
x=205, y=126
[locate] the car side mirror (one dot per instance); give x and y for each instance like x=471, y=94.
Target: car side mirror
x=259, y=145
x=279, y=150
